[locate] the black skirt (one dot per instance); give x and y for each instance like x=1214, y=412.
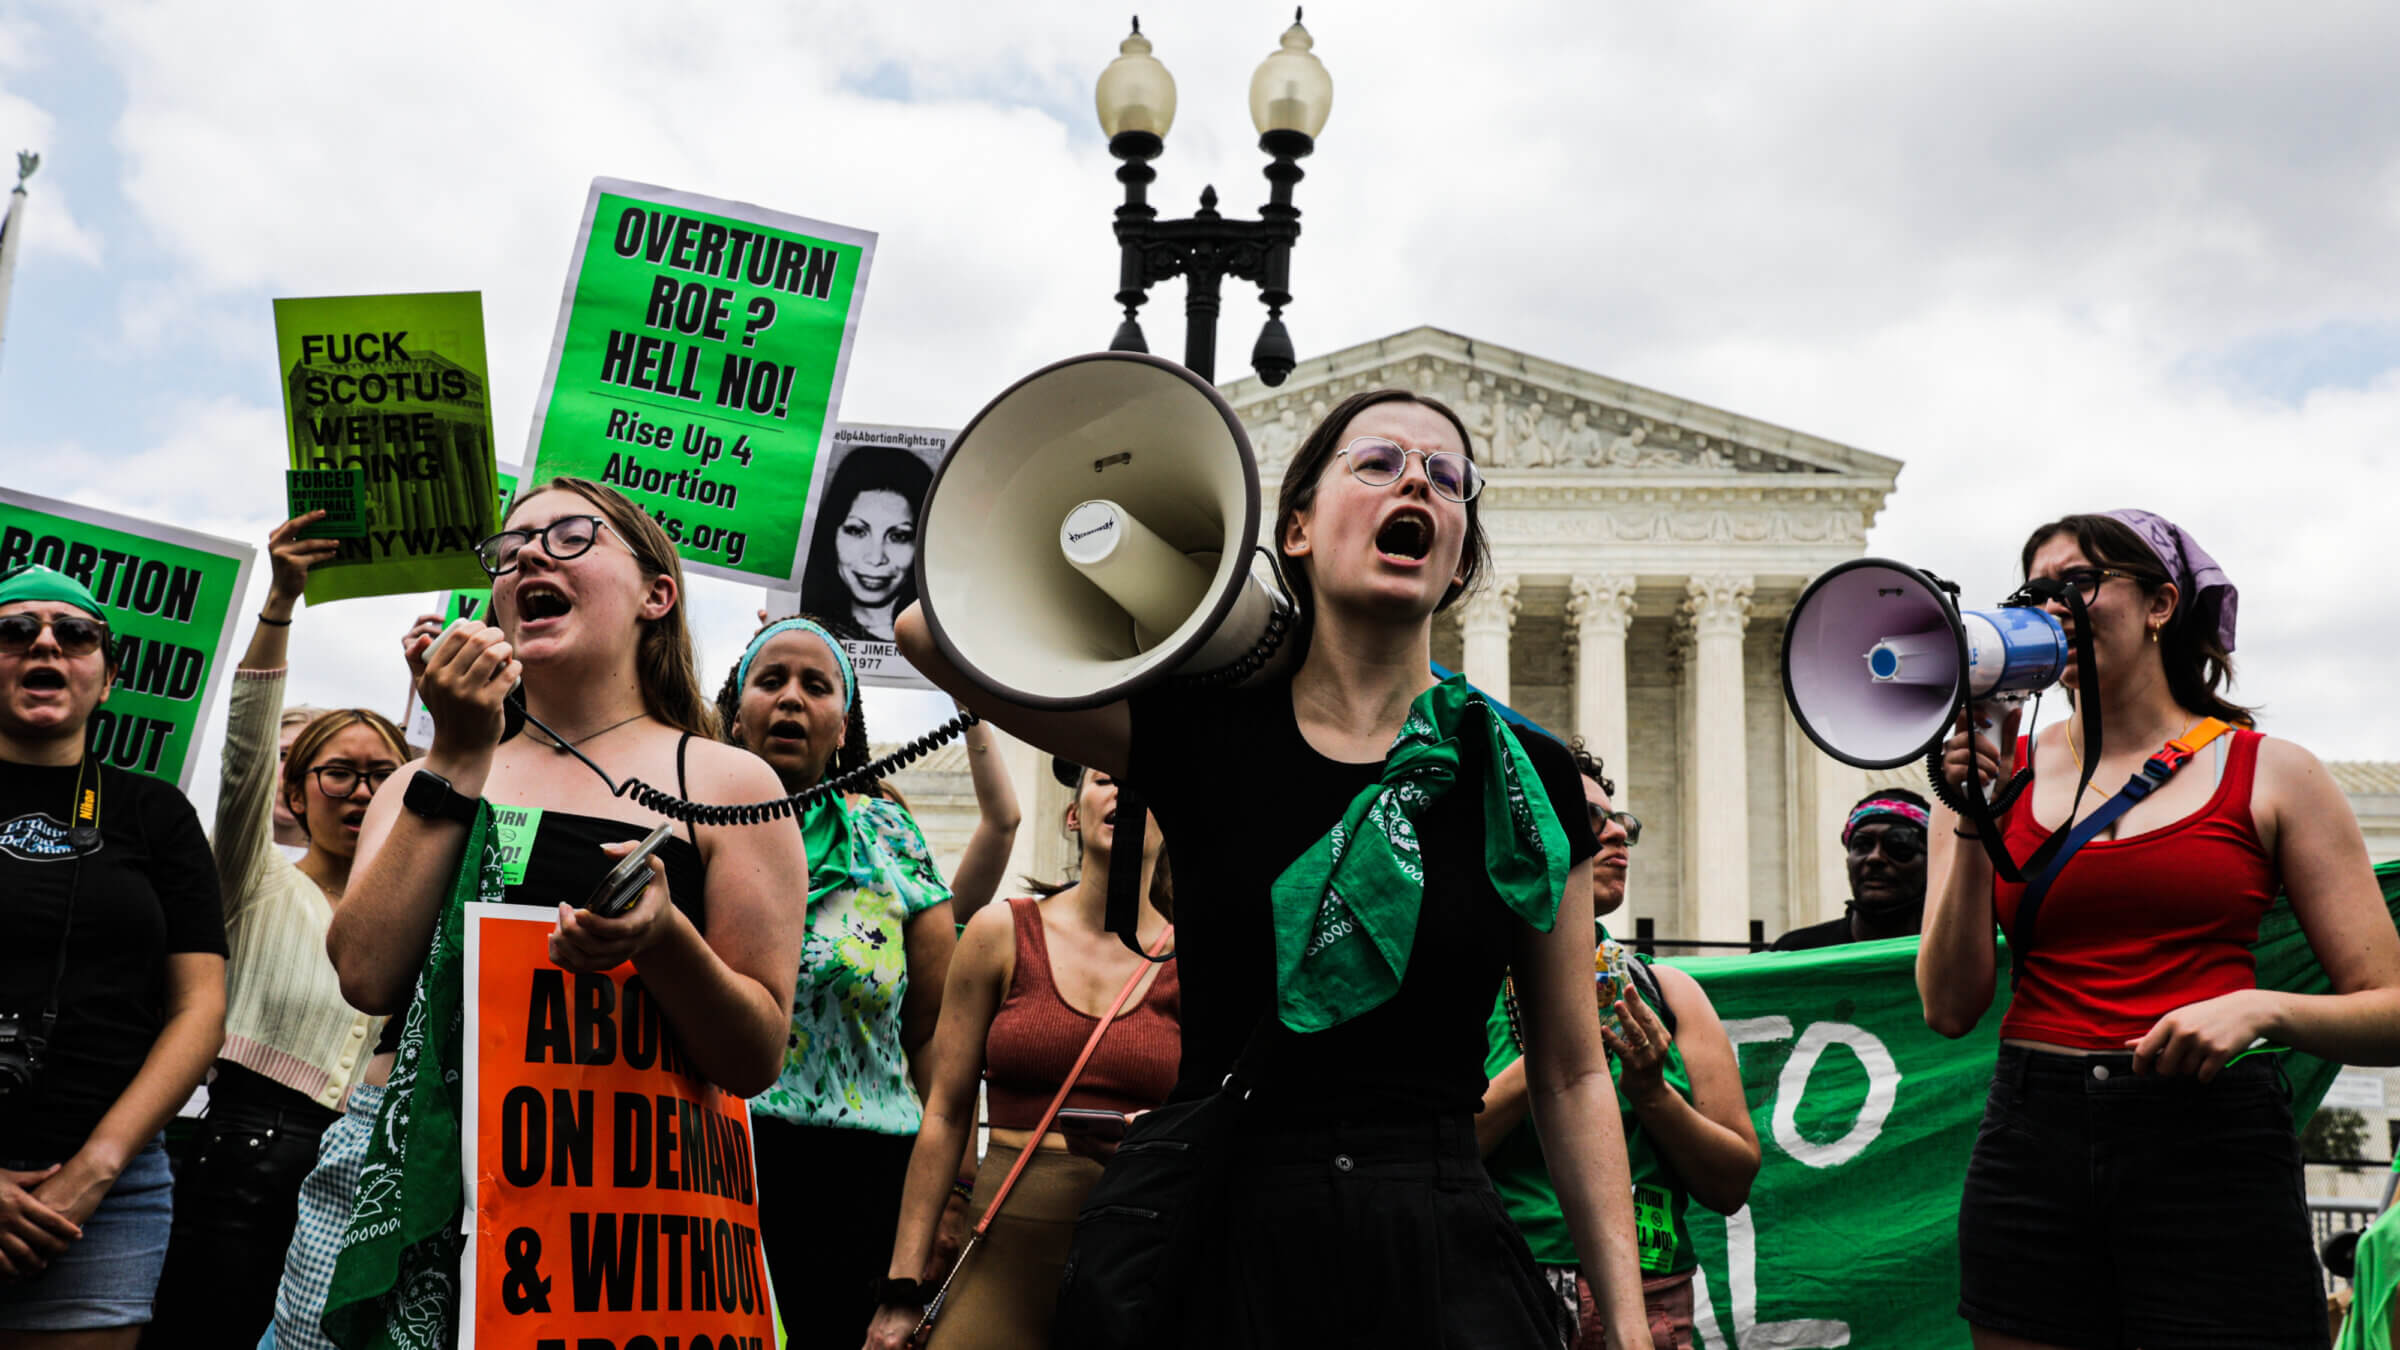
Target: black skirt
x=1385, y=1234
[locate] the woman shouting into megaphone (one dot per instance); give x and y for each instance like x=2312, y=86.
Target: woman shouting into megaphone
x=2137, y=1180
x=1362, y=852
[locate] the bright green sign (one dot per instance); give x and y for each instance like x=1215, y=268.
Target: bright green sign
x=469, y=604
x=171, y=597
x=699, y=361
x=396, y=388
x=1866, y=1118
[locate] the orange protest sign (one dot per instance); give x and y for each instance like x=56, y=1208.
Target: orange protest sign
x=612, y=1194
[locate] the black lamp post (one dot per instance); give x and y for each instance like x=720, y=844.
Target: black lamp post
x=1290, y=97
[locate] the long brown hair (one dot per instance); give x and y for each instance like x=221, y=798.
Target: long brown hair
x=324, y=727
x=663, y=662
x=1299, y=492
x=2197, y=665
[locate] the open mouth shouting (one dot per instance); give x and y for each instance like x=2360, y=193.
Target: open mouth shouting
x=541, y=604
x=1406, y=536
x=786, y=734
x=44, y=680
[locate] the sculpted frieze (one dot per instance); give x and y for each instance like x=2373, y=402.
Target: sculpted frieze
x=1518, y=424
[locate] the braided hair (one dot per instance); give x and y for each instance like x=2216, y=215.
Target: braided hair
x=853, y=752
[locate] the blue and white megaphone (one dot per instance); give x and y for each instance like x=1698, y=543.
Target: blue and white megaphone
x=1878, y=658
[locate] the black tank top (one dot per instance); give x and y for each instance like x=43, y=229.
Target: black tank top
x=565, y=865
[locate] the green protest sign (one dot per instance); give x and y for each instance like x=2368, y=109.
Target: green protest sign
x=698, y=365
x=468, y=604
x=394, y=387
x=459, y=605
x=171, y=596
x=1865, y=1120
x=340, y=493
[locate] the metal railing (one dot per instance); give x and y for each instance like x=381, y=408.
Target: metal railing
x=2330, y=1217
x=1647, y=941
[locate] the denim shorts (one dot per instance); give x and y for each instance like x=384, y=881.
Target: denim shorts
x=2105, y=1209
x=105, y=1278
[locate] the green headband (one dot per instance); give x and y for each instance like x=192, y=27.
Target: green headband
x=36, y=582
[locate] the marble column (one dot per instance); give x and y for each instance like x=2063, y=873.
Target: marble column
x=1485, y=619
x=1599, y=610
x=1717, y=608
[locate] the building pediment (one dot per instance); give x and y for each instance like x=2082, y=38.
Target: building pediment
x=1536, y=419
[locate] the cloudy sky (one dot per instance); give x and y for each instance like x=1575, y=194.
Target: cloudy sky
x=2054, y=256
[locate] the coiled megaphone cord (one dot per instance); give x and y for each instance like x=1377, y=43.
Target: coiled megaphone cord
x=759, y=813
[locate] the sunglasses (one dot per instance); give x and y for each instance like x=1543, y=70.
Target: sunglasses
x=1377, y=462
x=2084, y=581
x=339, y=781
x=75, y=635
x=564, y=538
x=1631, y=823
x=1901, y=844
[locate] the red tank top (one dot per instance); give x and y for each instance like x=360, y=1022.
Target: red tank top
x=2136, y=928
x=1036, y=1036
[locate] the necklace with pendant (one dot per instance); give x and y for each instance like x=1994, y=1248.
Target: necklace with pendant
x=560, y=747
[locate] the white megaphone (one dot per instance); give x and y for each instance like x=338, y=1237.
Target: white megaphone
x=1090, y=533
x=1878, y=659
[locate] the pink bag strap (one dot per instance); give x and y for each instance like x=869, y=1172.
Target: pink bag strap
x=1000, y=1196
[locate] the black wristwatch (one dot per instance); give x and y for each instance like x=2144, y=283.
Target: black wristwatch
x=431, y=796
x=892, y=1293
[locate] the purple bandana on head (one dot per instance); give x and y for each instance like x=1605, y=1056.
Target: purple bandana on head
x=2208, y=594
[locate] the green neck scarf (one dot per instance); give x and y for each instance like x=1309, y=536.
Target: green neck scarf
x=1346, y=911
x=825, y=827
x=395, y=1282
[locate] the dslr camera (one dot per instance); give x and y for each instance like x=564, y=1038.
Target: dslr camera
x=21, y=1048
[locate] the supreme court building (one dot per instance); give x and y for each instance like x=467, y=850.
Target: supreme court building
x=1646, y=550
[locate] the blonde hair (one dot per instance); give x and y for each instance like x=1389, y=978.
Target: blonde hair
x=663, y=662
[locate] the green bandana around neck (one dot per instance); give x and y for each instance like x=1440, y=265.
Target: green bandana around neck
x=1346, y=910
x=826, y=828
x=395, y=1282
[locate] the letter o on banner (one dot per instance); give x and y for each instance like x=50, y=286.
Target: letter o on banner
x=1883, y=1087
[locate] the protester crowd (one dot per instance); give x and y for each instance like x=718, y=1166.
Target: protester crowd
x=1489, y=1133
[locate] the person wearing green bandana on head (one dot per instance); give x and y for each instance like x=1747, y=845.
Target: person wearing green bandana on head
x=112, y=983
x=1362, y=851
x=1679, y=1091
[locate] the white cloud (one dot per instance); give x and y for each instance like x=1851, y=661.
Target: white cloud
x=2009, y=244
x=51, y=225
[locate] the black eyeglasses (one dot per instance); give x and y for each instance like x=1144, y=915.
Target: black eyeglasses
x=339, y=781
x=564, y=538
x=1376, y=462
x=1631, y=822
x=1902, y=845
x=76, y=635
x=2085, y=581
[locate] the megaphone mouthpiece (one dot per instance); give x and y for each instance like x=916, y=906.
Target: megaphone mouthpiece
x=1148, y=577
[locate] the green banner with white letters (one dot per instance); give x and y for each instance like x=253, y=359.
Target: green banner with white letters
x=1866, y=1118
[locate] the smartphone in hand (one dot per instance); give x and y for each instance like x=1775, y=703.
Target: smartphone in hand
x=624, y=884
x=1091, y=1123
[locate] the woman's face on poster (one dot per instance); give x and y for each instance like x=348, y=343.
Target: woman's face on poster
x=875, y=546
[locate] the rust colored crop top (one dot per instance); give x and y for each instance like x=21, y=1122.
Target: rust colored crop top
x=2136, y=928
x=1036, y=1036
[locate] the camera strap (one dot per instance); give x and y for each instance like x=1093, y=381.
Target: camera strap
x=83, y=836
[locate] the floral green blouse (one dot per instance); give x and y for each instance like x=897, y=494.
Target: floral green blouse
x=844, y=1066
